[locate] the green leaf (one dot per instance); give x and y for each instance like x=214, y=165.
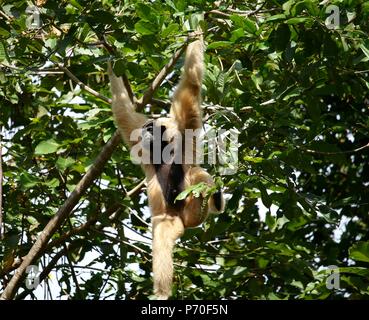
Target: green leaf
x=28, y=181
x=244, y=23
x=363, y=272
x=239, y=270
x=145, y=28
x=253, y=159
x=283, y=248
x=145, y=12
x=262, y=262
x=360, y=251
x=172, y=28
x=311, y=7
x=64, y=163
x=270, y=221
x=287, y=6
x=276, y=18
x=236, y=34
x=196, y=190
x=47, y=146
x=265, y=198
x=250, y=26
x=219, y=44
x=298, y=20
x=119, y=67
x=3, y=54
x=75, y=4
x=53, y=183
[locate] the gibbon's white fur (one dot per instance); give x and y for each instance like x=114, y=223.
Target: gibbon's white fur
x=166, y=181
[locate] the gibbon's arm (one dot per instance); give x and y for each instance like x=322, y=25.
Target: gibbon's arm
x=187, y=97
x=126, y=118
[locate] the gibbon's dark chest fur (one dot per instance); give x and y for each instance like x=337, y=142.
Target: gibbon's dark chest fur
x=170, y=175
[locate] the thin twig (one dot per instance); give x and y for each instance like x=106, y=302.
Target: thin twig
x=3, y=14
x=82, y=85
x=78, y=230
x=219, y=13
x=74, y=276
x=334, y=153
x=116, y=240
x=136, y=189
x=248, y=13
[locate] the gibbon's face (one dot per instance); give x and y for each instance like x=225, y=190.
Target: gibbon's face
x=157, y=135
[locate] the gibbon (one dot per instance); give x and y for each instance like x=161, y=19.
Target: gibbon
x=167, y=179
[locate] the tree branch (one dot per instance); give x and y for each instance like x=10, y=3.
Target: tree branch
x=4, y=15
x=82, y=85
x=334, y=153
x=74, y=276
x=219, y=13
x=248, y=13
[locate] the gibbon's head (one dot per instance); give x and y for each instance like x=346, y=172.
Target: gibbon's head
x=160, y=138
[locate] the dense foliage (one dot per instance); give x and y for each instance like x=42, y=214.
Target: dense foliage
x=295, y=89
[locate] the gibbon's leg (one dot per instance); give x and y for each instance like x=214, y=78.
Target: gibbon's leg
x=166, y=230
x=167, y=226
x=187, y=97
x=127, y=119
x=195, y=210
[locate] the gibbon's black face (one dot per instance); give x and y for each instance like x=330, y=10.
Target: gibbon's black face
x=153, y=140
x=170, y=175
